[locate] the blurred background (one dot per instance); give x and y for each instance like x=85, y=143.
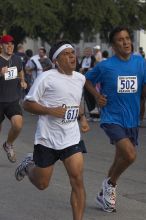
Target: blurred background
x=86, y=23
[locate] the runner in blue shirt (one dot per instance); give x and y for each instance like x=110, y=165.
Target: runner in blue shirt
x=122, y=78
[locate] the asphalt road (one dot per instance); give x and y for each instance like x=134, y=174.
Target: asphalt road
x=22, y=201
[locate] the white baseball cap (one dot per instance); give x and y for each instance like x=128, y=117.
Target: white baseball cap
x=97, y=47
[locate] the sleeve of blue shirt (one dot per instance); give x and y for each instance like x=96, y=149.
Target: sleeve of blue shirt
x=94, y=75
x=145, y=72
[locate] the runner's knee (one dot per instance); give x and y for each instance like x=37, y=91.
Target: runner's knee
x=76, y=180
x=131, y=157
x=17, y=125
x=41, y=184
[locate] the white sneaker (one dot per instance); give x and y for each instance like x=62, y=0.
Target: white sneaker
x=142, y=124
x=10, y=152
x=94, y=111
x=101, y=204
x=95, y=119
x=21, y=171
x=109, y=194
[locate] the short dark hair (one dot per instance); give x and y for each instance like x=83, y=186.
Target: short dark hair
x=56, y=46
x=29, y=53
x=105, y=54
x=43, y=49
x=141, y=48
x=117, y=30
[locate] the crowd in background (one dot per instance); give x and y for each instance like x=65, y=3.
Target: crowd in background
x=22, y=69
x=35, y=64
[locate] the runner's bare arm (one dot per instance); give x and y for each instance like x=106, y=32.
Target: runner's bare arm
x=36, y=108
x=101, y=99
x=22, y=80
x=83, y=121
x=144, y=91
x=3, y=70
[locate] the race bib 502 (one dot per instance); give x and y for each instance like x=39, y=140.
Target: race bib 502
x=127, y=84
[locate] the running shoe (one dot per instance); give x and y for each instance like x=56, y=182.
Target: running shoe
x=10, y=152
x=21, y=170
x=94, y=111
x=101, y=204
x=109, y=193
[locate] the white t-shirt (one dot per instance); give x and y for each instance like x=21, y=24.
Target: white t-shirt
x=53, y=89
x=86, y=62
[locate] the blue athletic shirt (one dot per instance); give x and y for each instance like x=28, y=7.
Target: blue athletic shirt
x=121, y=81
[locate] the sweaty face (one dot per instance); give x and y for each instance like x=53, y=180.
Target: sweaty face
x=8, y=48
x=122, y=45
x=67, y=60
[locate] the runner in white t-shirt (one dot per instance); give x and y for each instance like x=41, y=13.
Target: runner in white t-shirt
x=55, y=96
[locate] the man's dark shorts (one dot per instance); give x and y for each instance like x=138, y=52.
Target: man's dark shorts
x=44, y=156
x=116, y=133
x=9, y=109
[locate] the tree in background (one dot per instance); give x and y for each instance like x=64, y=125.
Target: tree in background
x=52, y=20
x=32, y=18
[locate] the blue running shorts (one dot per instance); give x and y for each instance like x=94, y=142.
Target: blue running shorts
x=116, y=132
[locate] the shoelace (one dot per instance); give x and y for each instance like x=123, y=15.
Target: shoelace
x=11, y=152
x=28, y=160
x=9, y=148
x=111, y=193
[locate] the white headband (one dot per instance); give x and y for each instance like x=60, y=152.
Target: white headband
x=60, y=49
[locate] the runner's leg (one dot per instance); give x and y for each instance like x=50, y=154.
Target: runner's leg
x=74, y=167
